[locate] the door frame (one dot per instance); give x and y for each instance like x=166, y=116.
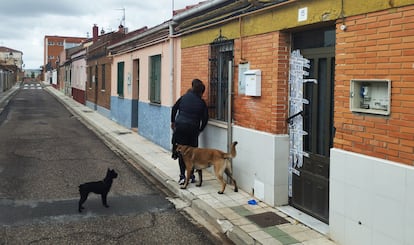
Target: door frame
x=310, y=190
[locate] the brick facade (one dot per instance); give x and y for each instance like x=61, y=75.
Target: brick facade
x=268, y=52
x=53, y=45
x=194, y=65
x=101, y=96
x=377, y=45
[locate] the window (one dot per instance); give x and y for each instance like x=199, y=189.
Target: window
x=51, y=43
x=155, y=79
x=221, y=52
x=120, y=81
x=90, y=77
x=103, y=77
x=96, y=77
x=314, y=38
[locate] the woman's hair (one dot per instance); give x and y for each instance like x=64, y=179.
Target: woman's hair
x=198, y=87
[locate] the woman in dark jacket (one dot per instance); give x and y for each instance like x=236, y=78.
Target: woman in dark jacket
x=191, y=119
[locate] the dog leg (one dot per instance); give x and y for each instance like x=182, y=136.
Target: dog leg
x=103, y=197
x=229, y=174
x=223, y=184
x=200, y=177
x=83, y=197
x=189, y=171
x=236, y=189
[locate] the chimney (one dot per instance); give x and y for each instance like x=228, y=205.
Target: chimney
x=121, y=29
x=95, y=33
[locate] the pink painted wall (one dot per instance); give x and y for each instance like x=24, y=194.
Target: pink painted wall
x=163, y=49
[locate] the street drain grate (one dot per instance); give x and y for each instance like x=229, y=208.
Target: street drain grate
x=267, y=219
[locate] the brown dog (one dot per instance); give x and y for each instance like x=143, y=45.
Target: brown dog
x=200, y=158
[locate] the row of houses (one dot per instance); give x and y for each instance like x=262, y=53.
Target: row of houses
x=11, y=62
x=319, y=95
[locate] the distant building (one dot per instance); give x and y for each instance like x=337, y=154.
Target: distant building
x=10, y=56
x=32, y=73
x=53, y=45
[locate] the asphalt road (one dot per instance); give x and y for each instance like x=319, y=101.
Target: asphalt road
x=45, y=153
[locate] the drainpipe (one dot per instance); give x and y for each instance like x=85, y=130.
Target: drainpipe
x=229, y=106
x=172, y=58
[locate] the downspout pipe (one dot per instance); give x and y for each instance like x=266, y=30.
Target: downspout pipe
x=172, y=58
x=229, y=111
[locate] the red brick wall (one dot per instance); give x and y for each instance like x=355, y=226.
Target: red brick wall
x=78, y=95
x=194, y=64
x=103, y=95
x=54, y=50
x=377, y=45
x=268, y=52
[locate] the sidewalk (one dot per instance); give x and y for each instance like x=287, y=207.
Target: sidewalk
x=229, y=213
x=5, y=96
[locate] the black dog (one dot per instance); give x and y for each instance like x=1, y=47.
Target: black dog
x=99, y=187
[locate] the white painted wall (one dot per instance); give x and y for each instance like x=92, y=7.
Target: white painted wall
x=79, y=71
x=371, y=200
x=261, y=161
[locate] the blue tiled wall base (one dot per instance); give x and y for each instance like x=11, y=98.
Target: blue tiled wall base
x=122, y=111
x=154, y=123
x=101, y=110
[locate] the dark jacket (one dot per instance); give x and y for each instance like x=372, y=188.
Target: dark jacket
x=191, y=110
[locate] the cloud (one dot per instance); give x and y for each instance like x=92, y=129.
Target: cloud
x=25, y=23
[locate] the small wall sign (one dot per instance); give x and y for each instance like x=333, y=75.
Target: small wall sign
x=303, y=14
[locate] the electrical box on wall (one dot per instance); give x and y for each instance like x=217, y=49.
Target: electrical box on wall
x=371, y=96
x=253, y=82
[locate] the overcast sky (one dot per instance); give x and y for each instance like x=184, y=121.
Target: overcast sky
x=25, y=23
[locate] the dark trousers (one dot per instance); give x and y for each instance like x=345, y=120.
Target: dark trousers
x=184, y=134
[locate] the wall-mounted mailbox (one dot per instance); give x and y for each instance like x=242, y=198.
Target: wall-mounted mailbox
x=253, y=82
x=371, y=96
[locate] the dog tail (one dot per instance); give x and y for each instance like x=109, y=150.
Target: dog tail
x=233, y=151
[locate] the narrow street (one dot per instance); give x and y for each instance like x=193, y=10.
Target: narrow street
x=46, y=153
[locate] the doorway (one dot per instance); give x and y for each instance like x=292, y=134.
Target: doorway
x=310, y=188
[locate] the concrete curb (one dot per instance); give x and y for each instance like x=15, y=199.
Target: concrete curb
x=5, y=96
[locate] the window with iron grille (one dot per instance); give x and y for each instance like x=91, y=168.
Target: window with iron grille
x=221, y=52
